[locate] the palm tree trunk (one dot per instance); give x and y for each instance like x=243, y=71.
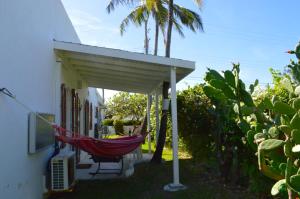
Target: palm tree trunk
x=146, y=44
x=169, y=31
x=157, y=156
x=156, y=37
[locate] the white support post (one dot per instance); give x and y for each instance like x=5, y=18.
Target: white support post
x=175, y=186
x=148, y=122
x=157, y=116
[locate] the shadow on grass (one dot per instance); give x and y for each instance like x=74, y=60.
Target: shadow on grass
x=148, y=182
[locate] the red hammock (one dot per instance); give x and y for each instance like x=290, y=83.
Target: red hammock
x=100, y=147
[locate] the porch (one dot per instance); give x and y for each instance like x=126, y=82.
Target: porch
x=131, y=72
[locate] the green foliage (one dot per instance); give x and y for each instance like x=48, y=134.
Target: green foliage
x=294, y=69
x=127, y=105
x=234, y=111
x=131, y=122
x=245, y=129
x=110, y=122
x=283, y=108
x=279, y=90
x=119, y=127
x=195, y=122
x=278, y=137
x=230, y=100
x=279, y=187
x=270, y=144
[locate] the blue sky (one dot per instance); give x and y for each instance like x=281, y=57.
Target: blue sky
x=255, y=33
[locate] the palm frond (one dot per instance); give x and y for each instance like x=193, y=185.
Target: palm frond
x=160, y=13
x=178, y=28
x=113, y=3
x=136, y=16
x=188, y=18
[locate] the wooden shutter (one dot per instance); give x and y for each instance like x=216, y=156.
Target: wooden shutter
x=86, y=115
x=77, y=116
x=73, y=116
x=91, y=116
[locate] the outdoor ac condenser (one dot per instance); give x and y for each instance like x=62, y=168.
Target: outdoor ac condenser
x=63, y=171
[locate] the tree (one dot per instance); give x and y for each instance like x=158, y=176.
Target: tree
x=139, y=16
x=127, y=105
x=193, y=21
x=157, y=156
x=190, y=20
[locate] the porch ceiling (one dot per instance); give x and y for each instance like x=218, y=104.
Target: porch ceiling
x=120, y=70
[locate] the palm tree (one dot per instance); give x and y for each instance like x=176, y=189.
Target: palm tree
x=159, y=11
x=186, y=18
x=140, y=15
x=193, y=21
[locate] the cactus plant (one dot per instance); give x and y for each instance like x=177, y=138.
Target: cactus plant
x=271, y=127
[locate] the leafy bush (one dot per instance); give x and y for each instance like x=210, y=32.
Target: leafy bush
x=194, y=122
x=119, y=127
x=108, y=122
x=131, y=122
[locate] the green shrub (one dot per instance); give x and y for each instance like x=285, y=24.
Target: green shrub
x=119, y=127
x=131, y=122
x=108, y=122
x=194, y=122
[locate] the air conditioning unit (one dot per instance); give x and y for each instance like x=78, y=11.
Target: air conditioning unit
x=63, y=171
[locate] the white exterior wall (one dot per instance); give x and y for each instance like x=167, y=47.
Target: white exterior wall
x=29, y=69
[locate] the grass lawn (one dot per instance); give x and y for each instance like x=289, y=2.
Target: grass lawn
x=149, y=179
x=167, y=152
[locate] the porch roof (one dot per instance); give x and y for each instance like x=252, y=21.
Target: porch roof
x=118, y=69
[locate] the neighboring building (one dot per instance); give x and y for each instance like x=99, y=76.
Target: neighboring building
x=46, y=67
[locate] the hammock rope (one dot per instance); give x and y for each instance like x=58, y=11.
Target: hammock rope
x=98, y=147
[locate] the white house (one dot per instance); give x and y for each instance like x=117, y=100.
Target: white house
x=46, y=67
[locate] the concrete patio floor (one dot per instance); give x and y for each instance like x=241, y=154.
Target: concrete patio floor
x=129, y=161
